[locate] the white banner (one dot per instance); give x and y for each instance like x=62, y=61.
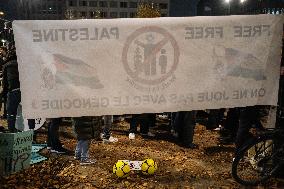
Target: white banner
x=74, y=68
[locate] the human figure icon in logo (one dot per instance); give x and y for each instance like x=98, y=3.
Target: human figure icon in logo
x=163, y=61
x=149, y=55
x=138, y=64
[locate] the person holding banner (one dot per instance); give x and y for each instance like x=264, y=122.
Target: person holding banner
x=11, y=88
x=106, y=135
x=85, y=129
x=53, y=142
x=3, y=97
x=143, y=120
x=249, y=117
x=184, y=124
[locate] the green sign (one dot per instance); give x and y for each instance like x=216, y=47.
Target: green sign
x=15, y=151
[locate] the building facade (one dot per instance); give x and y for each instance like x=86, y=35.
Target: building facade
x=238, y=7
x=181, y=8
x=83, y=9
x=40, y=9
x=110, y=8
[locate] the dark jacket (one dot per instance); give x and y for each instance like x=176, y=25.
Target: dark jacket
x=88, y=127
x=10, y=76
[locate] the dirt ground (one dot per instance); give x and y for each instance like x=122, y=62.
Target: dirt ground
x=209, y=166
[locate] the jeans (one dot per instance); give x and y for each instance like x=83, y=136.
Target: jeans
x=53, y=134
x=82, y=149
x=108, y=119
x=13, y=101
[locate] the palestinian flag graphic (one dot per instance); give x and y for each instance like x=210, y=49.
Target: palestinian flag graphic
x=235, y=63
x=71, y=71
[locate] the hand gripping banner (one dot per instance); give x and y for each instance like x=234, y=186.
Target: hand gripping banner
x=74, y=68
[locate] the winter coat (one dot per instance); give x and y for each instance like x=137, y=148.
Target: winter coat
x=10, y=76
x=87, y=127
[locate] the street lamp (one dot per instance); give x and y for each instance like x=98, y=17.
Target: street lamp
x=229, y=6
x=1, y=13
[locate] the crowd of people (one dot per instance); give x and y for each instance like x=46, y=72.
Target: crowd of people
x=235, y=125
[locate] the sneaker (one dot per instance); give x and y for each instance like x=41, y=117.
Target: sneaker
x=174, y=133
x=102, y=136
x=59, y=150
x=191, y=146
x=110, y=140
x=87, y=162
x=131, y=136
x=149, y=134
x=48, y=147
x=77, y=158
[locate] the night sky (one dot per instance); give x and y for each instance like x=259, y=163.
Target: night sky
x=9, y=10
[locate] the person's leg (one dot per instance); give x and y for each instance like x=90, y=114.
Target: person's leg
x=229, y=131
x=13, y=101
x=233, y=124
x=54, y=133
x=145, y=123
x=85, y=160
x=172, y=120
x=31, y=123
x=247, y=118
x=107, y=138
x=152, y=120
x=212, y=122
x=108, y=119
x=133, y=124
x=48, y=122
x=85, y=144
x=5, y=108
x=78, y=150
x=187, y=130
x=178, y=121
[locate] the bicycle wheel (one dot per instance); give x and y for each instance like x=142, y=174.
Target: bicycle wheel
x=254, y=163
